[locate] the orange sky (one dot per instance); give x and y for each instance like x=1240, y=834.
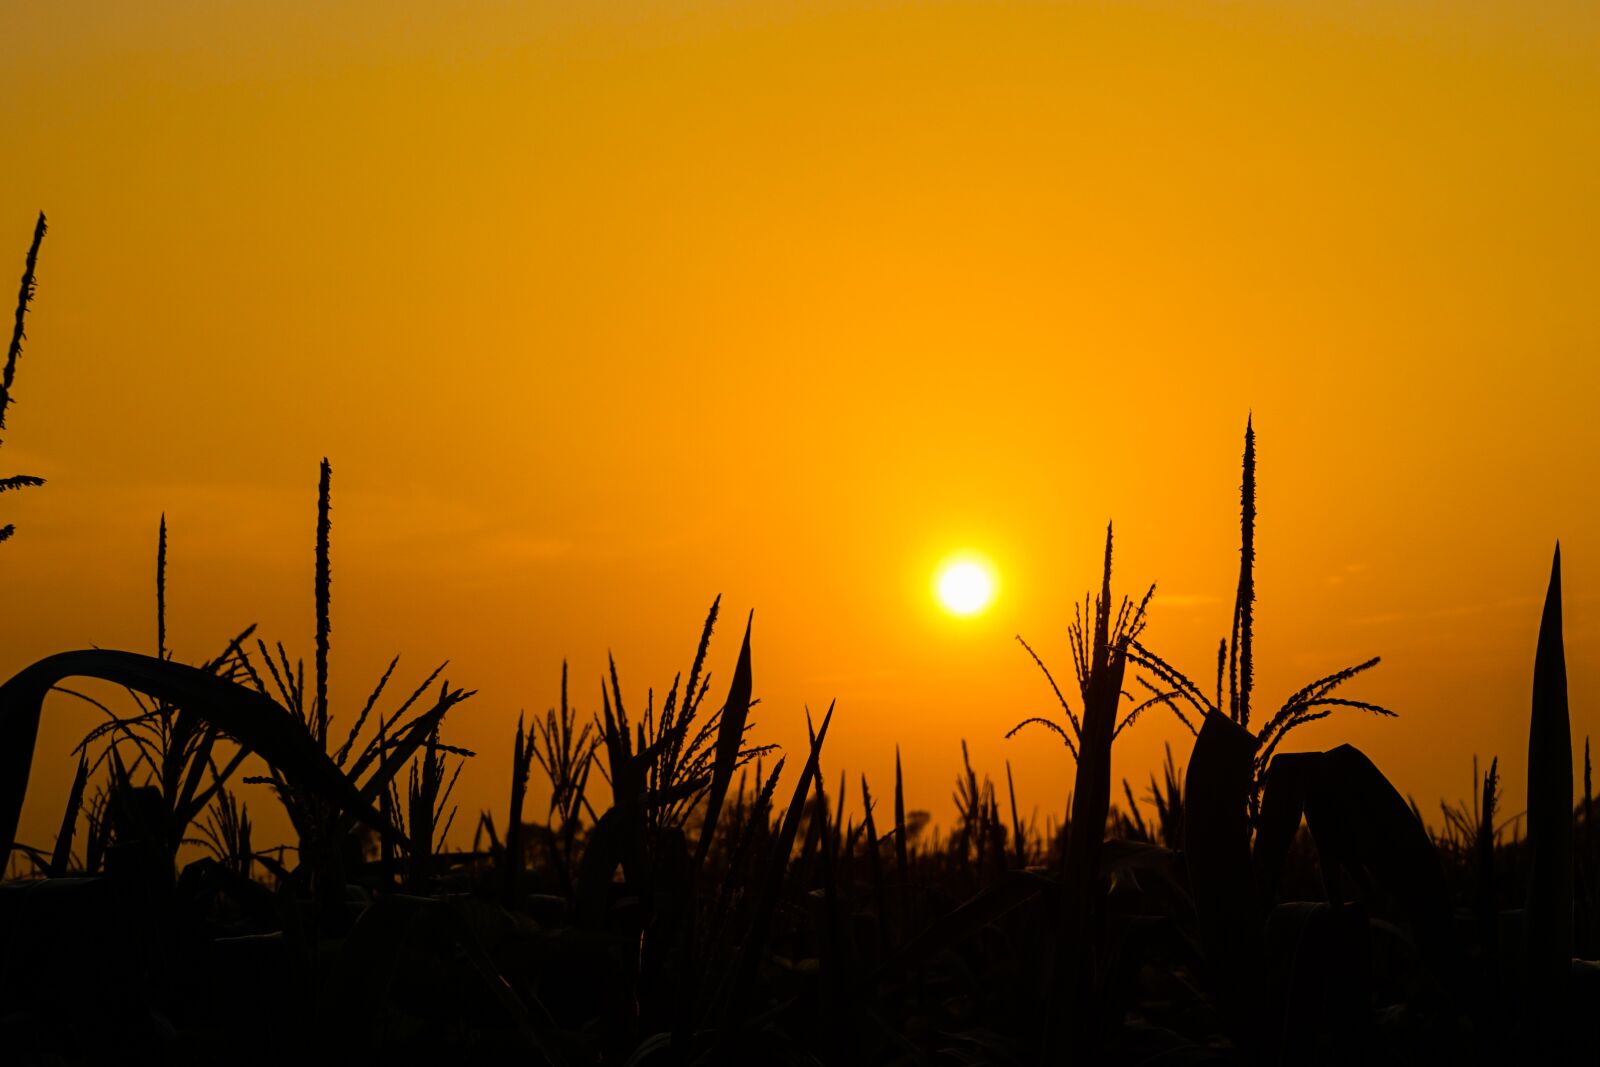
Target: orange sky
x=602, y=309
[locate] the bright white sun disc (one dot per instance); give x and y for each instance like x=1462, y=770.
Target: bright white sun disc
x=965, y=587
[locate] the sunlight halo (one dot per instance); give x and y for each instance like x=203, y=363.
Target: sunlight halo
x=965, y=585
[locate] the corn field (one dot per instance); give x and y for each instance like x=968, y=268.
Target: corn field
x=713, y=903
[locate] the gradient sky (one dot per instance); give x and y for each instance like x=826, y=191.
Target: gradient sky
x=602, y=309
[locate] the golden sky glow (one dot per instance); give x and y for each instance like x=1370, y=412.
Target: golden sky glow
x=602, y=309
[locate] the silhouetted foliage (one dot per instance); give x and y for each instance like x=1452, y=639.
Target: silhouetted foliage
x=1255, y=906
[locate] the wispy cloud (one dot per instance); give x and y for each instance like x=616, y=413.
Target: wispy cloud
x=1382, y=618
x=852, y=677
x=1345, y=573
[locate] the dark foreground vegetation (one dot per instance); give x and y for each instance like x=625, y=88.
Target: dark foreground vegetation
x=712, y=903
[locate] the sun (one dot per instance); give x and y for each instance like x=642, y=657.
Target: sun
x=965, y=585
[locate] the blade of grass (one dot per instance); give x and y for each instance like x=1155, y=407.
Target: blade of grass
x=730, y=735
x=1549, y=945
x=755, y=945
x=900, y=848
x=61, y=858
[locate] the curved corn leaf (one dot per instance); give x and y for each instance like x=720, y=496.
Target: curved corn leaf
x=1360, y=821
x=251, y=718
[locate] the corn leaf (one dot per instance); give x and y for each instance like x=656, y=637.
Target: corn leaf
x=1549, y=944
x=249, y=717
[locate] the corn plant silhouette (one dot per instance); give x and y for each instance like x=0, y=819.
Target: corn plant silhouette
x=371, y=767
x=1236, y=654
x=178, y=750
x=565, y=753
x=1100, y=656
